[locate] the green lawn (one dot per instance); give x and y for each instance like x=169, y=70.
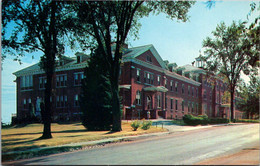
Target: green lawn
x=26, y=137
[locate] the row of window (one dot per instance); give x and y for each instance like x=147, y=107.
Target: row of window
x=191, y=105
x=149, y=79
x=61, y=101
x=61, y=81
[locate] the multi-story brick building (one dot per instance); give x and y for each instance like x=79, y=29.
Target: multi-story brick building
x=149, y=86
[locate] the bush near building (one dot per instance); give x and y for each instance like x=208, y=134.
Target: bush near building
x=202, y=120
x=246, y=120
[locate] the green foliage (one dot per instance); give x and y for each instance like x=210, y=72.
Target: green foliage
x=146, y=124
x=229, y=53
x=96, y=98
x=218, y=120
x=105, y=22
x=202, y=120
x=135, y=125
x=246, y=121
x=249, y=97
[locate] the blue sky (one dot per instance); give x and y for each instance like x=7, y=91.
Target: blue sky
x=175, y=41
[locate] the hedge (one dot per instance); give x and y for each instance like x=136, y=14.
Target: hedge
x=202, y=120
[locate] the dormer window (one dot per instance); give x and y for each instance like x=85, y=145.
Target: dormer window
x=149, y=58
x=61, y=63
x=78, y=59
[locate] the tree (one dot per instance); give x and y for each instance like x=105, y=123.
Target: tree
x=111, y=21
x=229, y=54
x=95, y=100
x=37, y=26
x=249, y=93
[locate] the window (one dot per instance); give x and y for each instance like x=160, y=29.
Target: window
x=159, y=101
x=197, y=92
x=58, y=101
x=165, y=101
x=205, y=94
x=182, y=106
x=152, y=79
x=176, y=86
x=192, y=91
x=182, y=89
x=149, y=102
x=148, y=58
x=148, y=78
x=78, y=59
x=171, y=103
x=138, y=98
x=165, y=82
x=61, y=80
x=171, y=84
x=192, y=107
x=26, y=82
x=78, y=78
x=176, y=104
x=24, y=103
x=188, y=107
x=138, y=75
x=42, y=82
x=188, y=90
x=205, y=108
x=76, y=100
x=159, y=80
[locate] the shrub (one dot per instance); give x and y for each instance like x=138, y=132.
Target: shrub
x=218, y=120
x=246, y=120
x=146, y=125
x=135, y=125
x=193, y=120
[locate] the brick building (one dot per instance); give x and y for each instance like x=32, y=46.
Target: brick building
x=149, y=86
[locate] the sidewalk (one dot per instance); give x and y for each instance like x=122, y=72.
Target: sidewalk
x=249, y=156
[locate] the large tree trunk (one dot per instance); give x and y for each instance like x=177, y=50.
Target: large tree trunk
x=49, y=67
x=47, y=109
x=232, y=105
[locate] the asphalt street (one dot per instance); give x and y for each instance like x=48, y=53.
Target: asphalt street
x=176, y=148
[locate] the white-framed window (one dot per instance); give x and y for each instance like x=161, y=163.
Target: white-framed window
x=159, y=80
x=26, y=82
x=138, y=78
x=78, y=78
x=61, y=80
x=165, y=82
x=176, y=104
x=42, y=82
x=182, y=89
x=158, y=101
x=138, y=98
x=149, y=102
x=76, y=100
x=176, y=86
x=24, y=103
x=171, y=84
x=149, y=58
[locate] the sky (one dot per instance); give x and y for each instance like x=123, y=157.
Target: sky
x=177, y=42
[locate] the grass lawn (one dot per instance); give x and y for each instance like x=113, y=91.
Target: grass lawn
x=26, y=137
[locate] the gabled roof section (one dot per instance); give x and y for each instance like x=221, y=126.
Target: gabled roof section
x=134, y=52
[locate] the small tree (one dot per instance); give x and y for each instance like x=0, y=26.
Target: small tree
x=95, y=101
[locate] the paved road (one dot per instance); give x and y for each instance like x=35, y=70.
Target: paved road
x=178, y=148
